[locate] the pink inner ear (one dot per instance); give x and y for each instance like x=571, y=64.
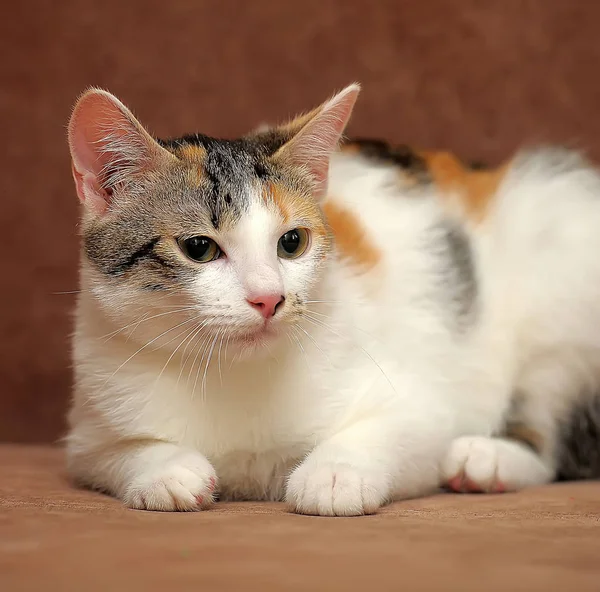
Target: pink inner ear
x=105, y=142
x=90, y=192
x=313, y=145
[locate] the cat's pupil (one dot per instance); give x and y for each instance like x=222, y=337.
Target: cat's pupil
x=197, y=247
x=290, y=241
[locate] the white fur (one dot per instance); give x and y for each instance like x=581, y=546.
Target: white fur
x=361, y=405
x=492, y=465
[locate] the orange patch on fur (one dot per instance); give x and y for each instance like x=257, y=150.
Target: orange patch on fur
x=350, y=236
x=195, y=175
x=349, y=148
x=193, y=156
x=192, y=152
x=475, y=189
x=276, y=195
x=525, y=434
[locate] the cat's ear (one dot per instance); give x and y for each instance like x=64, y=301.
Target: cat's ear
x=109, y=147
x=316, y=136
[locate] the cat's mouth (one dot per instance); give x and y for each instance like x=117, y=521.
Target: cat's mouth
x=257, y=337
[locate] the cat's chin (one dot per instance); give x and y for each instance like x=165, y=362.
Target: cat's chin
x=255, y=343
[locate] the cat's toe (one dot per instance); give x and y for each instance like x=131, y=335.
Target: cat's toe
x=470, y=465
x=335, y=489
x=185, y=482
x=477, y=464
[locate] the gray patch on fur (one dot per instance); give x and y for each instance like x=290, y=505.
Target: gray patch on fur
x=579, y=456
x=229, y=168
x=126, y=248
x=457, y=274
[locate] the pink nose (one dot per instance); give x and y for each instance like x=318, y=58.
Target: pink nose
x=267, y=304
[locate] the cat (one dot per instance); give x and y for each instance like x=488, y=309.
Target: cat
x=335, y=324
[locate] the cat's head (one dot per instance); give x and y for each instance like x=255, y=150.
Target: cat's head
x=223, y=236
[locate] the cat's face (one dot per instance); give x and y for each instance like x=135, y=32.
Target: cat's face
x=201, y=238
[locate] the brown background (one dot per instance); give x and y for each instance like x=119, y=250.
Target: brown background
x=477, y=77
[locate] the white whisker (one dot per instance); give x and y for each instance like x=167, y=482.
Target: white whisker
x=299, y=343
x=219, y=358
x=201, y=349
x=210, y=353
x=143, y=348
x=320, y=323
x=184, y=359
x=314, y=341
x=144, y=318
x=187, y=332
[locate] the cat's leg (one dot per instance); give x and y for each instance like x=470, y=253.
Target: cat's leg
x=553, y=418
x=146, y=474
x=369, y=464
x=524, y=454
x=493, y=465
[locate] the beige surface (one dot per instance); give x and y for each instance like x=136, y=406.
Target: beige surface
x=53, y=537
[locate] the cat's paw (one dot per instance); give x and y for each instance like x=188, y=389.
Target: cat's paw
x=185, y=481
x=491, y=465
x=335, y=489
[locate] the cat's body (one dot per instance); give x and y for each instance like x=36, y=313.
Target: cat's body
x=441, y=328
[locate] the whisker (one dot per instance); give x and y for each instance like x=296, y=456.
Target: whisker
x=134, y=329
x=299, y=343
x=313, y=312
x=320, y=323
x=331, y=302
x=202, y=348
x=109, y=336
x=184, y=359
x=219, y=358
x=272, y=354
x=210, y=353
x=321, y=314
x=314, y=341
x=227, y=346
x=142, y=349
x=187, y=332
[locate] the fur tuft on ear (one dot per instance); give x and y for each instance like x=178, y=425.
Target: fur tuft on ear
x=109, y=147
x=317, y=136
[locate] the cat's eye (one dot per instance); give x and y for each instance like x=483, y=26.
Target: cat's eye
x=200, y=248
x=293, y=243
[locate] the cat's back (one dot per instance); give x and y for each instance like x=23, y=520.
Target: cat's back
x=404, y=217
x=548, y=195
x=380, y=180
x=513, y=241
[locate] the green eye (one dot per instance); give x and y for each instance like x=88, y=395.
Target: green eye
x=200, y=248
x=293, y=243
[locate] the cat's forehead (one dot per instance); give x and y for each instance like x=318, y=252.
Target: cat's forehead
x=229, y=178
x=228, y=163
x=224, y=176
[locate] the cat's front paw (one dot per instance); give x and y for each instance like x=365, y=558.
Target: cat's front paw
x=184, y=482
x=335, y=489
x=479, y=464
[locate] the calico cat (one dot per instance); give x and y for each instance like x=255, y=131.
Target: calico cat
x=279, y=317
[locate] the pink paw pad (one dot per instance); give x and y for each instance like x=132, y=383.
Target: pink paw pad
x=213, y=484
x=472, y=487
x=199, y=500
x=456, y=483
x=499, y=487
